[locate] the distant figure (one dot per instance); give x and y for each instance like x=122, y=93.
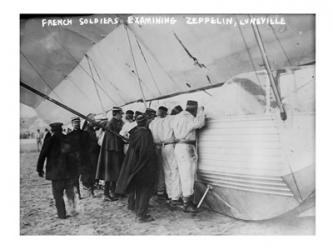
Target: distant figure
x=128, y=126
x=111, y=155
x=139, y=171
x=58, y=169
x=184, y=126
x=39, y=139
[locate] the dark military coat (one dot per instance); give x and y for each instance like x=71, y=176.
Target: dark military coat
x=55, y=150
x=140, y=164
x=111, y=153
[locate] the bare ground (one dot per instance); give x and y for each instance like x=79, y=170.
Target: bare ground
x=38, y=214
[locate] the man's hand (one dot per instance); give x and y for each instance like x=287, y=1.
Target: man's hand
x=41, y=174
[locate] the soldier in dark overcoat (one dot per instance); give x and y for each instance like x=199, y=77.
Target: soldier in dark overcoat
x=93, y=147
x=79, y=156
x=139, y=171
x=111, y=155
x=58, y=169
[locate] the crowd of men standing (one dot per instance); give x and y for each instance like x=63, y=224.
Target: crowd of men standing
x=151, y=153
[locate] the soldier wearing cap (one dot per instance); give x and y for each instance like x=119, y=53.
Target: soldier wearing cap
x=138, y=173
x=184, y=126
x=93, y=147
x=111, y=155
x=79, y=156
x=150, y=115
x=129, y=124
x=176, y=110
x=58, y=169
x=136, y=114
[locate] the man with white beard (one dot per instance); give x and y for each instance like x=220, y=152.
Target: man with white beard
x=184, y=126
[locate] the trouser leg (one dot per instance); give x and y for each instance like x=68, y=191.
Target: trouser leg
x=69, y=190
x=160, y=184
x=143, y=195
x=107, y=188
x=171, y=172
x=187, y=164
x=58, y=192
x=131, y=200
x=113, y=187
x=161, y=180
x=77, y=186
x=88, y=182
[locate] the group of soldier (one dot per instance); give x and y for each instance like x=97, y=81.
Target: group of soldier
x=150, y=153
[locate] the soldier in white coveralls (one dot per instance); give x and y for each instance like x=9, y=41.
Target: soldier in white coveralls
x=155, y=127
x=184, y=126
x=164, y=137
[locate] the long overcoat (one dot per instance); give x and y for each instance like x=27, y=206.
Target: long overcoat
x=79, y=152
x=140, y=164
x=111, y=153
x=93, y=147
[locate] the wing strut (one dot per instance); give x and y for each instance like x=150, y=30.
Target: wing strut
x=256, y=32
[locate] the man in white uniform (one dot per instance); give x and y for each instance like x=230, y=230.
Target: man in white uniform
x=169, y=163
x=184, y=127
x=155, y=126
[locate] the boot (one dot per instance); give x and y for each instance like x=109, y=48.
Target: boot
x=92, y=193
x=188, y=205
x=109, y=198
x=145, y=218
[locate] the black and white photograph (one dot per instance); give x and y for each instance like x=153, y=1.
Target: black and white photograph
x=167, y=124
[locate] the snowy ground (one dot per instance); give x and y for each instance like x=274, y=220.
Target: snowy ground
x=38, y=214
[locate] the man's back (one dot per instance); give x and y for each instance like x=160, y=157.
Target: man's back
x=184, y=124
x=54, y=150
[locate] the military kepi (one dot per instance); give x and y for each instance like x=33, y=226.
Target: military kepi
x=163, y=108
x=191, y=104
x=150, y=112
x=76, y=119
x=56, y=125
x=117, y=110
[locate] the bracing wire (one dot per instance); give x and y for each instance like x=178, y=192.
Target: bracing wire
x=97, y=92
x=280, y=43
x=156, y=60
x=100, y=79
x=78, y=88
x=151, y=73
x=40, y=75
x=136, y=69
x=248, y=51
